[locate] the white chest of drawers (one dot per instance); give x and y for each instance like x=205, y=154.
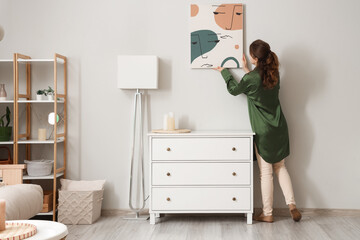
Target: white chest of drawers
x=201, y=172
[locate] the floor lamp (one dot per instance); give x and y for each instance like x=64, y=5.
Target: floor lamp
x=137, y=72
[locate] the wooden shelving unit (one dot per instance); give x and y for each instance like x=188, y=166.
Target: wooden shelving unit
x=10, y=62
x=26, y=98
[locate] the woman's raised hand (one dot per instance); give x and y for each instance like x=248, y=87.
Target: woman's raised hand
x=218, y=68
x=244, y=64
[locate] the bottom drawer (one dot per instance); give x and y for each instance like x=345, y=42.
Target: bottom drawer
x=200, y=199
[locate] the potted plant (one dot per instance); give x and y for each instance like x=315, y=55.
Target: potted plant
x=40, y=94
x=5, y=130
x=49, y=93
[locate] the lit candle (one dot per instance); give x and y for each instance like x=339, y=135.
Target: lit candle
x=2, y=215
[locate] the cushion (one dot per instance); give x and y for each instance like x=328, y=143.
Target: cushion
x=71, y=185
x=23, y=201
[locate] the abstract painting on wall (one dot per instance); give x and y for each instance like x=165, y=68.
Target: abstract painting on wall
x=216, y=35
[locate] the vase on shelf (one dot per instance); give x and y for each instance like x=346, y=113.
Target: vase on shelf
x=39, y=97
x=3, y=94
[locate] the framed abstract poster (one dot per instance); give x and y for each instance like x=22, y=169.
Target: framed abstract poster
x=216, y=35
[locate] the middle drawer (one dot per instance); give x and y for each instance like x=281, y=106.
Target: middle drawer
x=194, y=173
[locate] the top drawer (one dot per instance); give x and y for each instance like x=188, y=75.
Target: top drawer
x=201, y=148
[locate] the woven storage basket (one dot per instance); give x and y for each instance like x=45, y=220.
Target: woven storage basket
x=79, y=207
x=8, y=160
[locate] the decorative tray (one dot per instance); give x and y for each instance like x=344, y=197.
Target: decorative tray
x=17, y=231
x=169, y=131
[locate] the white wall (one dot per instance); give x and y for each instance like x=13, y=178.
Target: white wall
x=316, y=41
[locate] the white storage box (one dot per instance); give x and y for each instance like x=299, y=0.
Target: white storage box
x=80, y=201
x=37, y=168
x=79, y=207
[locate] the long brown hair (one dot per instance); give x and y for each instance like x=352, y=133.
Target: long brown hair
x=268, y=63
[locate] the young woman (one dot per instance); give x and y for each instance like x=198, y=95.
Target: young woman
x=268, y=122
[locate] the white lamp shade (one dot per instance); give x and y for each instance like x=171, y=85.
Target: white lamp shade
x=51, y=118
x=138, y=72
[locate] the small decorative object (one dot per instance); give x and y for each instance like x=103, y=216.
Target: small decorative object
x=169, y=125
x=5, y=130
x=165, y=122
x=51, y=121
x=40, y=95
x=42, y=134
x=3, y=94
x=171, y=122
x=51, y=118
x=2, y=214
x=49, y=93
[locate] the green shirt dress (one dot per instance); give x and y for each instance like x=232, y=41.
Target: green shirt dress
x=266, y=117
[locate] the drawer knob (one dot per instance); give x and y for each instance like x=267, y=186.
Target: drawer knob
x=168, y=149
x=168, y=174
x=234, y=199
x=234, y=149
x=168, y=199
x=234, y=173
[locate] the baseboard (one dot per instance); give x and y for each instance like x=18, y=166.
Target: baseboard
x=114, y=212
x=281, y=212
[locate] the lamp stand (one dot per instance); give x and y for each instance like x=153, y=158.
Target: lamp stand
x=138, y=96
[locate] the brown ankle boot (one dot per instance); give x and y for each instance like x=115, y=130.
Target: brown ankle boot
x=263, y=218
x=295, y=213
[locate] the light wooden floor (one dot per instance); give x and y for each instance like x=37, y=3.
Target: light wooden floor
x=213, y=227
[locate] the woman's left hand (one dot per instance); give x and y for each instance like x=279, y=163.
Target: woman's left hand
x=218, y=68
x=244, y=64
